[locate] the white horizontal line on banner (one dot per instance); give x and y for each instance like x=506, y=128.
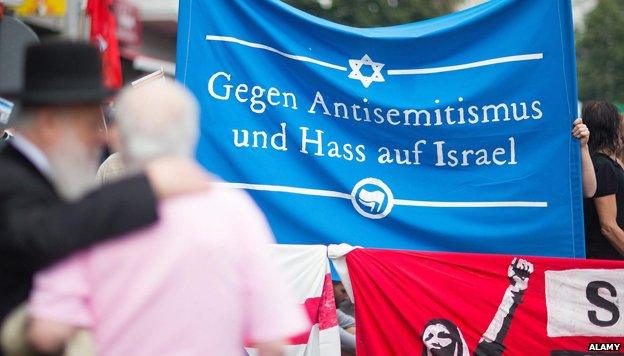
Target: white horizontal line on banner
x=283, y=189
x=483, y=204
x=431, y=204
x=488, y=62
x=271, y=49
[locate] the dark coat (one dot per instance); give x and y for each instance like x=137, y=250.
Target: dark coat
x=37, y=228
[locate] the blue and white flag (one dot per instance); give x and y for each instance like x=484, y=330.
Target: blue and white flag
x=449, y=134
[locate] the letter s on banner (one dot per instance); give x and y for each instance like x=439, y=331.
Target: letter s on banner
x=585, y=302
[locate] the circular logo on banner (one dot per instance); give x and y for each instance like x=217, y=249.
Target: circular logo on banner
x=372, y=198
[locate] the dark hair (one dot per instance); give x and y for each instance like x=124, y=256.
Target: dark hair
x=604, y=122
x=457, y=341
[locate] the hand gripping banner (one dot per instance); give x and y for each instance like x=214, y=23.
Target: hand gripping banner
x=416, y=303
x=447, y=134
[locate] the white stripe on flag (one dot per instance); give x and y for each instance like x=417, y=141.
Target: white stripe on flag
x=285, y=189
x=274, y=50
x=475, y=204
x=403, y=202
x=416, y=71
x=487, y=62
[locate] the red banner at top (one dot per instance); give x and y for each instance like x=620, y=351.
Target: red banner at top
x=103, y=35
x=412, y=303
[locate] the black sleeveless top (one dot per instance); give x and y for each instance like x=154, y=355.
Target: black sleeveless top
x=610, y=180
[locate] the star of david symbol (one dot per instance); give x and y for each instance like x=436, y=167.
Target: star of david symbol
x=356, y=71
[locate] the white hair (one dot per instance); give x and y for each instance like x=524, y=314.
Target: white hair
x=156, y=120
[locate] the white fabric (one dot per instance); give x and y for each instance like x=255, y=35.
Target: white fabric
x=568, y=303
x=304, y=267
x=337, y=254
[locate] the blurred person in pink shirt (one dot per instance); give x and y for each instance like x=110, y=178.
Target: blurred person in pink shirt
x=199, y=282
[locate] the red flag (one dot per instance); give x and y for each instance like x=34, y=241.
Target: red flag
x=104, y=36
x=413, y=303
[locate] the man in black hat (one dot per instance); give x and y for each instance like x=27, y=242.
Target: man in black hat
x=47, y=168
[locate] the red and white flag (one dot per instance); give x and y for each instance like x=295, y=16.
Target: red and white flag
x=306, y=270
x=104, y=35
x=422, y=303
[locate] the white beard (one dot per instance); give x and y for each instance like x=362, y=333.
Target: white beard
x=73, y=166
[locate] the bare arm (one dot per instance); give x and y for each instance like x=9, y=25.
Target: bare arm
x=581, y=132
x=606, y=207
x=589, y=176
x=49, y=337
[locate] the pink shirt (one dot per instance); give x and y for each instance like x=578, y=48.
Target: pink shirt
x=199, y=282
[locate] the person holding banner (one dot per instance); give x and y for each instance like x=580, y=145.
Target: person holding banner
x=581, y=132
x=604, y=213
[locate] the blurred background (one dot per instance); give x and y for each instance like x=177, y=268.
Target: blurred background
x=146, y=31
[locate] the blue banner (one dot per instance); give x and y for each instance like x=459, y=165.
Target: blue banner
x=450, y=134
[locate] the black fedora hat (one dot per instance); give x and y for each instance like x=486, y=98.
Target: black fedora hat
x=62, y=73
